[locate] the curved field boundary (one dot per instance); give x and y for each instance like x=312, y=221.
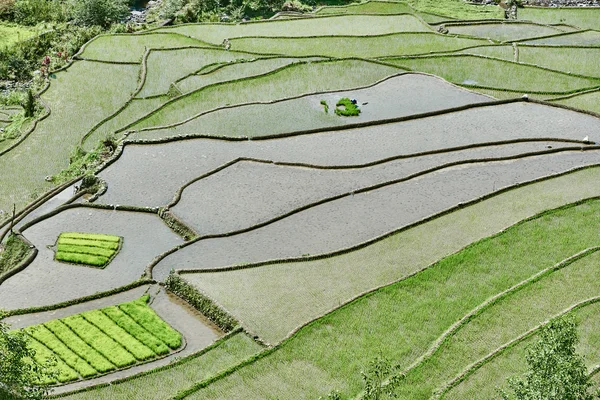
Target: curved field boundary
x=272, y=72
x=107, y=62
x=350, y=249
x=458, y=55
x=440, y=393
x=194, y=388
x=96, y=296
x=493, y=300
x=557, y=35
x=179, y=362
x=164, y=29
x=23, y=264
x=570, y=96
x=376, y=187
x=180, y=191
x=26, y=134
x=317, y=130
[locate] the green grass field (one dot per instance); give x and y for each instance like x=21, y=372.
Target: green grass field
x=94, y=250
x=581, y=61
x=584, y=18
x=502, y=32
x=164, y=383
x=307, y=78
x=369, y=7
x=13, y=33
x=402, y=320
x=586, y=101
x=351, y=25
x=272, y=303
x=99, y=341
x=364, y=47
x=512, y=361
x=583, y=38
x=483, y=72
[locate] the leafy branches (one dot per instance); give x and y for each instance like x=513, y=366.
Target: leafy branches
x=556, y=371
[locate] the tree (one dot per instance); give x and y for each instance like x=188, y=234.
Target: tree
x=100, y=12
x=18, y=370
x=381, y=379
x=556, y=371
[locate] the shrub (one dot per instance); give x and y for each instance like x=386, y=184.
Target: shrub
x=325, y=106
x=102, y=13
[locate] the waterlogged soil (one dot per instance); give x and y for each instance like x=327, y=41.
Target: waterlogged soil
x=46, y=281
x=358, y=218
x=398, y=96
x=197, y=331
x=149, y=175
x=251, y=193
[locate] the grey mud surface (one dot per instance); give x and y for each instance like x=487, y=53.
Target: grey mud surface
x=197, y=331
x=358, y=218
x=250, y=193
x=149, y=175
x=46, y=282
x=419, y=93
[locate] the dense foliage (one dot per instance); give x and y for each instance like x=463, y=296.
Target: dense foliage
x=556, y=371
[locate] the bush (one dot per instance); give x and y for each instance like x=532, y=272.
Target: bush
x=33, y=12
x=349, y=108
x=102, y=13
x=7, y=9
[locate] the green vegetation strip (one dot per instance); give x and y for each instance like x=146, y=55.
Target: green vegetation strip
x=98, y=341
x=61, y=372
x=91, y=249
x=404, y=318
x=163, y=383
x=139, y=311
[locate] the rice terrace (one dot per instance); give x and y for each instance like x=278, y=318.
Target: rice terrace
x=259, y=210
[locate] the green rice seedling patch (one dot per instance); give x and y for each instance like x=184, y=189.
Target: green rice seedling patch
x=402, y=320
x=236, y=70
x=99, y=341
x=162, y=71
x=108, y=327
x=369, y=7
x=130, y=48
x=582, y=17
x=363, y=47
x=503, y=31
x=504, y=321
x=505, y=52
x=60, y=371
x=287, y=82
x=350, y=25
x=272, y=303
x=95, y=250
x=139, y=311
x=474, y=71
x=346, y=108
x=583, y=38
x=164, y=383
x=493, y=374
x=46, y=150
x=587, y=101
x=136, y=330
x=79, y=347
x=133, y=111
x=457, y=9
x=581, y=61
x=45, y=336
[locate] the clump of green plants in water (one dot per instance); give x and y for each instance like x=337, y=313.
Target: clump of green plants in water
x=346, y=108
x=325, y=106
x=15, y=251
x=94, y=250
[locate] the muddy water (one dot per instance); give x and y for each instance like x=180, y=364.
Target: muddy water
x=150, y=175
x=46, y=281
x=250, y=193
x=358, y=218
